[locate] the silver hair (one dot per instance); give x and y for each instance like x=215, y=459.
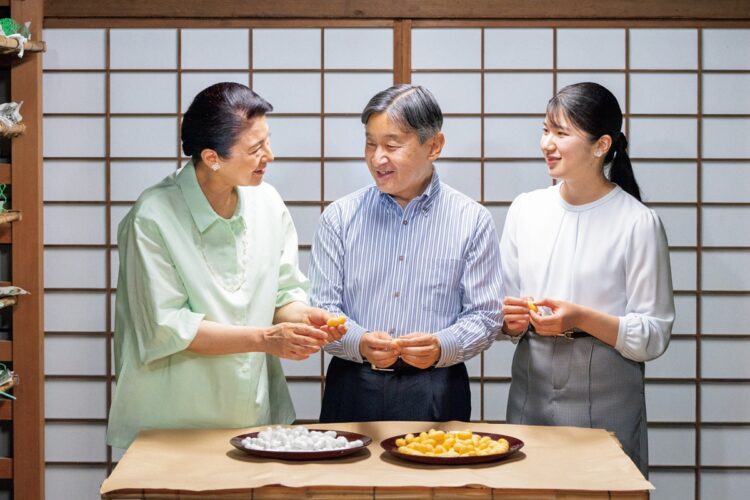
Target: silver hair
x=412, y=107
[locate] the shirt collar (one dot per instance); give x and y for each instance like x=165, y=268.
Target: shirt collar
x=201, y=210
x=426, y=199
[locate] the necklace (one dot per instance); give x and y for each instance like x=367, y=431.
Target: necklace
x=234, y=284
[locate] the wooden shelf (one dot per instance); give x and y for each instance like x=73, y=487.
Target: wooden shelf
x=6, y=350
x=6, y=468
x=6, y=409
x=10, y=45
x=13, y=130
x=5, y=176
x=10, y=216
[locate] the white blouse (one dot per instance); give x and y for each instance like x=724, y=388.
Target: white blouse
x=610, y=255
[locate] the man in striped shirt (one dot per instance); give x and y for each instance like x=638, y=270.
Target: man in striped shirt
x=415, y=266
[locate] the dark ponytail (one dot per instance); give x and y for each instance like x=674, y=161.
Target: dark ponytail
x=621, y=170
x=594, y=110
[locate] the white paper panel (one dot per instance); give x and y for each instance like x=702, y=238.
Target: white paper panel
x=680, y=225
x=678, y=361
x=342, y=178
x=75, y=399
x=725, y=446
x=503, y=181
x=295, y=136
x=306, y=399
x=726, y=402
x=289, y=92
x=672, y=484
x=455, y=92
x=498, y=215
x=143, y=48
x=306, y=222
x=667, y=182
x=144, y=137
x=726, y=138
x=517, y=93
x=724, y=314
x=73, y=93
x=726, y=182
x=75, y=355
x=614, y=82
x=73, y=137
x=683, y=269
x=462, y=137
x=74, y=224
x=474, y=366
x=130, y=178
x=663, y=138
x=498, y=359
x=663, y=48
x=143, y=93
x=462, y=176
x=74, y=48
x=723, y=49
x=726, y=270
x=671, y=446
x=590, y=48
x=663, y=93
x=350, y=92
x=518, y=48
x=495, y=400
x=726, y=226
x=446, y=48
x=684, y=314
x=74, y=312
x=344, y=138
x=114, y=271
x=306, y=367
x=286, y=48
x=475, y=401
x=725, y=484
x=71, y=481
x=726, y=358
x=726, y=94
x=295, y=181
x=670, y=402
x=74, y=268
x=117, y=213
x=304, y=261
x=199, y=49
x=513, y=137
x=358, y=48
x=77, y=180
x=194, y=83
x=75, y=442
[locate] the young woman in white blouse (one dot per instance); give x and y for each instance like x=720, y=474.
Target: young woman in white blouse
x=594, y=261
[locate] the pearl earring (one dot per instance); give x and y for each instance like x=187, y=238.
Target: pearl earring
x=598, y=154
x=215, y=167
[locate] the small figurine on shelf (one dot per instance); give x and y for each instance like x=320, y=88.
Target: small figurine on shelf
x=10, y=119
x=8, y=379
x=3, y=198
x=12, y=29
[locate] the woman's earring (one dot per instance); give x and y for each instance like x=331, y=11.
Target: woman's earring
x=215, y=167
x=598, y=154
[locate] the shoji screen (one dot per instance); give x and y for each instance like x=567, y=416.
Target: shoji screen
x=113, y=102
x=684, y=92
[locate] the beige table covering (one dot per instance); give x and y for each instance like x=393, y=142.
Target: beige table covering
x=553, y=458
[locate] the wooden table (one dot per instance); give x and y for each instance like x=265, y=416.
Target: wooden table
x=555, y=463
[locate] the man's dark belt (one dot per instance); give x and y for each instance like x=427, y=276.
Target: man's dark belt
x=399, y=366
x=571, y=334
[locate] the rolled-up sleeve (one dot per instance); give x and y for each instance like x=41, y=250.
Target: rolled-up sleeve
x=646, y=326
x=158, y=302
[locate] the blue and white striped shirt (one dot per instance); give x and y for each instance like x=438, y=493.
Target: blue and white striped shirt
x=431, y=267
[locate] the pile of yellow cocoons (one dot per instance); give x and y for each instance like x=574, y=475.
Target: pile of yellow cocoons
x=437, y=443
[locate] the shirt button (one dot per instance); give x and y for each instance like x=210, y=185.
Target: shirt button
x=405, y=222
x=400, y=258
x=397, y=294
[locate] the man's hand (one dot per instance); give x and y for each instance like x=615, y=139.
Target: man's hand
x=377, y=348
x=421, y=350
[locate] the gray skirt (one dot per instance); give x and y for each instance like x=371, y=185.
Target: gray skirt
x=580, y=382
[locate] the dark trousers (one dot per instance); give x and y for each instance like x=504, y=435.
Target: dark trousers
x=354, y=392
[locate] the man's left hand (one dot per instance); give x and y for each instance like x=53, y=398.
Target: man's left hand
x=421, y=350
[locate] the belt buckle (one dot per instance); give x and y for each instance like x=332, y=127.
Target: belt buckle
x=375, y=368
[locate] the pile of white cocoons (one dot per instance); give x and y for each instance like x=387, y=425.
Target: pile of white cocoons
x=298, y=439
